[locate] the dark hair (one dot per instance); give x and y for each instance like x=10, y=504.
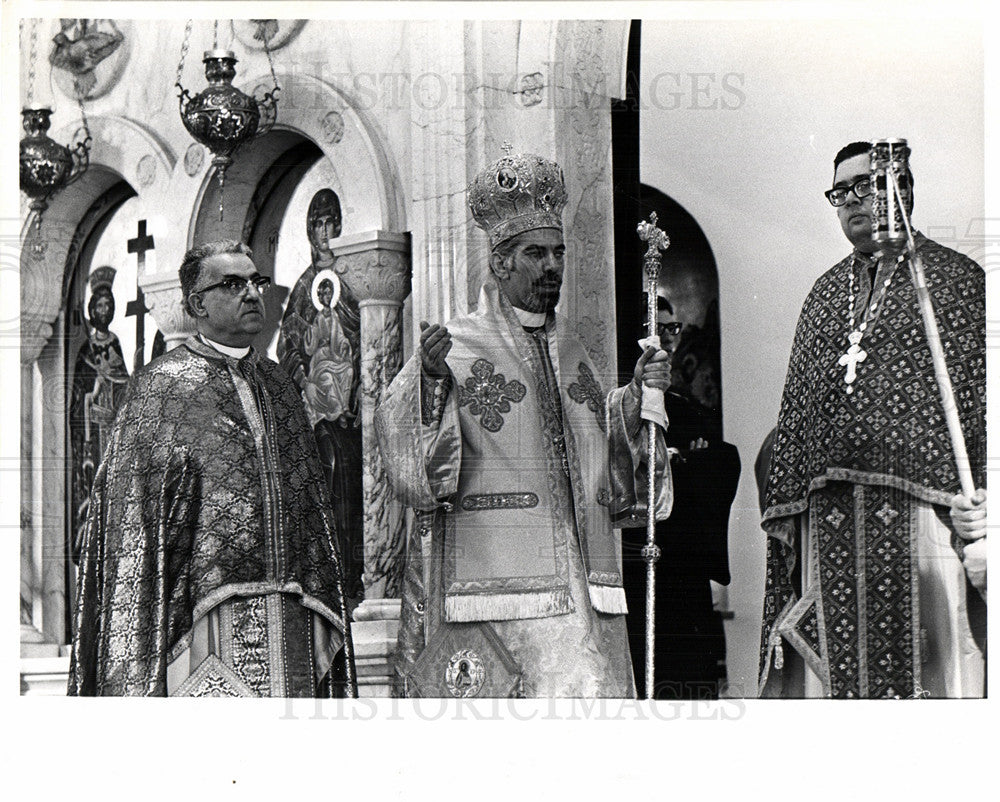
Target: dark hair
x=325, y=201
x=95, y=296
x=663, y=305
x=191, y=265
x=505, y=248
x=858, y=149
x=850, y=151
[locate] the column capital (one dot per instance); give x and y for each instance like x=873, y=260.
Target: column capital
x=36, y=331
x=376, y=265
x=163, y=299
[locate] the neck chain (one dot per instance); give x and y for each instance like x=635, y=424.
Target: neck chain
x=854, y=354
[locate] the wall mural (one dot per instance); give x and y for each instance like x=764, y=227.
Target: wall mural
x=99, y=381
x=88, y=56
x=277, y=33
x=319, y=347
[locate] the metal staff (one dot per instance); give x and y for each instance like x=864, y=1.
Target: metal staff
x=937, y=353
x=658, y=241
x=891, y=229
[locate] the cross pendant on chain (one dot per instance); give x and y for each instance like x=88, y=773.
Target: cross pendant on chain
x=851, y=359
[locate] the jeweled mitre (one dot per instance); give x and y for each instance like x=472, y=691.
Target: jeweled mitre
x=517, y=193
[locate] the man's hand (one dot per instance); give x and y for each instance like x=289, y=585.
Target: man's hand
x=435, y=343
x=968, y=515
x=969, y=518
x=652, y=369
x=974, y=560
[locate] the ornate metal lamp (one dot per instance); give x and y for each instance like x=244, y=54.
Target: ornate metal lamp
x=221, y=117
x=46, y=166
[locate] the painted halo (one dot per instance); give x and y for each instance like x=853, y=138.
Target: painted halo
x=320, y=277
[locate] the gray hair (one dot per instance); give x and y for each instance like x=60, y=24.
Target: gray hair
x=190, y=268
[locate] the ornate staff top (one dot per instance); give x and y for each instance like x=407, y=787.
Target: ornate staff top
x=658, y=241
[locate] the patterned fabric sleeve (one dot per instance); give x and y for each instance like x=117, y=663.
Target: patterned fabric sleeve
x=129, y=567
x=801, y=377
x=628, y=461
x=423, y=470
x=433, y=397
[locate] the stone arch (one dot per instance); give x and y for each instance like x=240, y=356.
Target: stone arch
x=122, y=151
x=126, y=160
x=336, y=121
x=692, y=285
x=339, y=124
x=309, y=112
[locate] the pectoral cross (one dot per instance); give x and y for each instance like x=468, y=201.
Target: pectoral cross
x=851, y=358
x=141, y=243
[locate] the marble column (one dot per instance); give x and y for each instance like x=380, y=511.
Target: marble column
x=29, y=610
x=43, y=657
x=376, y=265
x=38, y=635
x=35, y=332
x=590, y=54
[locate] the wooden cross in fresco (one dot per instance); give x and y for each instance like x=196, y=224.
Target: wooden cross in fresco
x=138, y=245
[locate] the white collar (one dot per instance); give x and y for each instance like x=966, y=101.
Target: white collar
x=228, y=350
x=531, y=320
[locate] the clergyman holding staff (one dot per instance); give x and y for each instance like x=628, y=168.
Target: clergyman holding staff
x=876, y=573
x=499, y=434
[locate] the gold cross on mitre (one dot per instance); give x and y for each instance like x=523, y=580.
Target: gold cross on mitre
x=506, y=147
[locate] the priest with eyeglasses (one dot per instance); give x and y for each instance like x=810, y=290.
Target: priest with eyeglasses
x=208, y=565
x=876, y=563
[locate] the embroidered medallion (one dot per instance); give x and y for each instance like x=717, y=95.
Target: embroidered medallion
x=465, y=674
x=588, y=391
x=835, y=518
x=500, y=501
x=506, y=179
x=886, y=514
x=489, y=395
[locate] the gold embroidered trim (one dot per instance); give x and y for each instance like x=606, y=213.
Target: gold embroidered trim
x=499, y=501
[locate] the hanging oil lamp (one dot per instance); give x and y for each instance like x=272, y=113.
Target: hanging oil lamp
x=221, y=117
x=46, y=166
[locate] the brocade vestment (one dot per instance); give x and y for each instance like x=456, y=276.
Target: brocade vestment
x=208, y=565
x=516, y=487
x=864, y=578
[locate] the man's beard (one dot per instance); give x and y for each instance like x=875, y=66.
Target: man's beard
x=547, y=295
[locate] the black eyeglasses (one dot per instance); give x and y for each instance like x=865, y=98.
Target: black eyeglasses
x=236, y=285
x=673, y=328
x=861, y=188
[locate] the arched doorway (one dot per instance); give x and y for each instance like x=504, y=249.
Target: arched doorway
x=89, y=250
x=689, y=280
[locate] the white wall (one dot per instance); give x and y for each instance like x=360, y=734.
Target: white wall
x=782, y=97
